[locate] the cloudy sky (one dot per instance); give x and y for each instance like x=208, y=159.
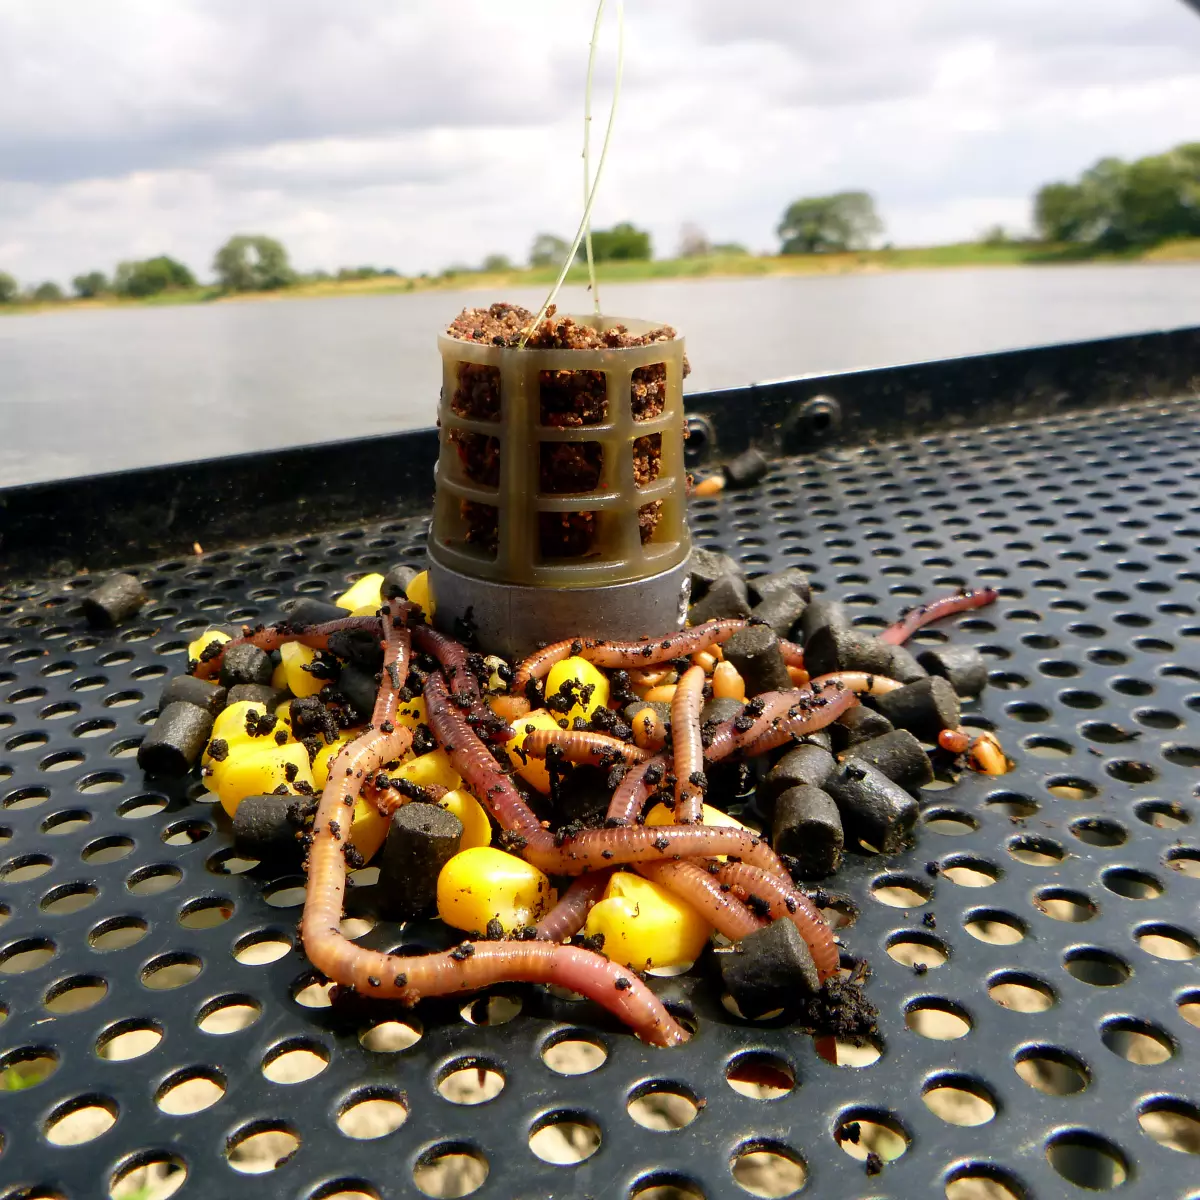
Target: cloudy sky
x=417, y=133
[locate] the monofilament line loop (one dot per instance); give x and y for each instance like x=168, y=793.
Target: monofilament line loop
x=585, y=223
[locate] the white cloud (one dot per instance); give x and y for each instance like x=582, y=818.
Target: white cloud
x=419, y=134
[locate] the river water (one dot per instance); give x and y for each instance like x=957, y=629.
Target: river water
x=100, y=390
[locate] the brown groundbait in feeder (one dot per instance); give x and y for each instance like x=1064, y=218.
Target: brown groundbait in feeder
x=567, y=400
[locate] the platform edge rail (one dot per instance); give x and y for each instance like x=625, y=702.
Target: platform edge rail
x=94, y=522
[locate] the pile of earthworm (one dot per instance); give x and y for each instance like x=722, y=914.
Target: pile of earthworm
x=695, y=720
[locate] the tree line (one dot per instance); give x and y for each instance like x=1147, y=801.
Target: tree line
x=1113, y=206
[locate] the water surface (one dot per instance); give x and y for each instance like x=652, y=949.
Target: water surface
x=99, y=390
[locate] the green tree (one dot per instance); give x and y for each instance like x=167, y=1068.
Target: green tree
x=821, y=224
x=94, y=283
x=548, y=250
x=1117, y=204
x=621, y=242
x=497, y=262
x=253, y=263
x=729, y=248
x=151, y=276
x=8, y=288
x=48, y=293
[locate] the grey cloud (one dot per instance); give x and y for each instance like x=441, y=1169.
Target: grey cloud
x=220, y=76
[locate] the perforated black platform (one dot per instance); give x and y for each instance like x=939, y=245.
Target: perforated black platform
x=1060, y=901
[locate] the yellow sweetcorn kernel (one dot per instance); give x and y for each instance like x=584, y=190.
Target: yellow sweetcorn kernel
x=645, y=926
x=585, y=684
x=434, y=767
x=294, y=658
x=324, y=757
x=368, y=829
x=196, y=648
x=419, y=593
x=483, y=884
x=477, y=829
x=412, y=712
x=660, y=814
x=243, y=723
x=532, y=770
x=255, y=770
x=279, y=676
x=363, y=593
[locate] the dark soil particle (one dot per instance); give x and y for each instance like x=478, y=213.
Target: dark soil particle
x=874, y=1164
x=841, y=1009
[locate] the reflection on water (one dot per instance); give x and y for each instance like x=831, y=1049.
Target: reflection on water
x=97, y=391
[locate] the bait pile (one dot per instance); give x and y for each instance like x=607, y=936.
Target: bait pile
x=574, y=814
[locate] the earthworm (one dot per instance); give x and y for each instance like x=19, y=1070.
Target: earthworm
x=816, y=713
x=634, y=790
x=593, y=849
x=646, y=652
x=721, y=909
x=271, y=637
x=902, y=630
x=583, y=746
x=396, y=642
x=689, y=754
x=954, y=740
x=751, y=723
x=464, y=687
x=570, y=914
x=786, y=901
x=469, y=966
x=649, y=730
x=858, y=681
x=793, y=654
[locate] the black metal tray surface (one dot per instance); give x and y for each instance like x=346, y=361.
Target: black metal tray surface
x=1049, y=1044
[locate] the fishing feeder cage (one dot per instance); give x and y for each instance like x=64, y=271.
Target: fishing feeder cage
x=560, y=503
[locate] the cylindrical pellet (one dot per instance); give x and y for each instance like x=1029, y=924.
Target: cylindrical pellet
x=902, y=666
x=115, y=600
x=836, y=648
x=244, y=663
x=807, y=831
x=360, y=689
x=858, y=724
x=819, y=613
x=874, y=810
x=719, y=710
x=176, y=740
x=705, y=567
x=747, y=469
x=780, y=610
x=802, y=765
x=310, y=611
x=187, y=689
x=422, y=838
x=755, y=652
x=269, y=827
x=963, y=666
x=768, y=969
x=898, y=755
x=258, y=693
x=790, y=579
x=924, y=708
x=395, y=582
x=726, y=597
